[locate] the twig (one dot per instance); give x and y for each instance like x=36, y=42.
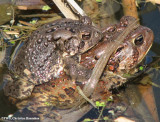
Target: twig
x=84, y=96
x=129, y=8
x=38, y=15
x=48, y=20
x=24, y=27
x=76, y=7
x=25, y=23
x=65, y=10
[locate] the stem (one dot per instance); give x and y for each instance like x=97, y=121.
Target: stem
x=65, y=10
x=129, y=8
x=74, y=5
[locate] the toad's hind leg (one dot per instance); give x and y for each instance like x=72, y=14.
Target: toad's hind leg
x=17, y=88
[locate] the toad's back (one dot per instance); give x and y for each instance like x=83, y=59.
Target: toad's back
x=41, y=57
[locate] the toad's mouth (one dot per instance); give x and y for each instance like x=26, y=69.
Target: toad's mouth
x=113, y=62
x=124, y=58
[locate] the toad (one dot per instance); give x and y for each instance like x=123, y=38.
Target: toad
x=41, y=58
x=62, y=91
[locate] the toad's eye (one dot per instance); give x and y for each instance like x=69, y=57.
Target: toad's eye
x=86, y=36
x=139, y=40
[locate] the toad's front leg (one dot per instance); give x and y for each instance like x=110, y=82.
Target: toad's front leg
x=18, y=88
x=76, y=71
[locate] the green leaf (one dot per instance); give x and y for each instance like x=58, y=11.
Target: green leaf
x=110, y=99
x=46, y=8
x=33, y=22
x=100, y=104
x=141, y=68
x=97, y=103
x=106, y=118
x=5, y=30
x=87, y=120
x=47, y=103
x=99, y=1
x=13, y=42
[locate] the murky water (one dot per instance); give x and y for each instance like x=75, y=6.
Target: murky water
x=149, y=19
x=152, y=20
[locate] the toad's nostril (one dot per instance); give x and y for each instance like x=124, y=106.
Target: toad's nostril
x=139, y=40
x=81, y=45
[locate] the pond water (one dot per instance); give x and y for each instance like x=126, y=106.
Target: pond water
x=150, y=19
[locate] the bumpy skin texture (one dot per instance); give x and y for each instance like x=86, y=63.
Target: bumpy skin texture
x=135, y=46
x=128, y=55
x=41, y=58
x=61, y=92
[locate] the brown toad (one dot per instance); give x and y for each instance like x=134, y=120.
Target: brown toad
x=41, y=58
x=127, y=56
x=62, y=92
